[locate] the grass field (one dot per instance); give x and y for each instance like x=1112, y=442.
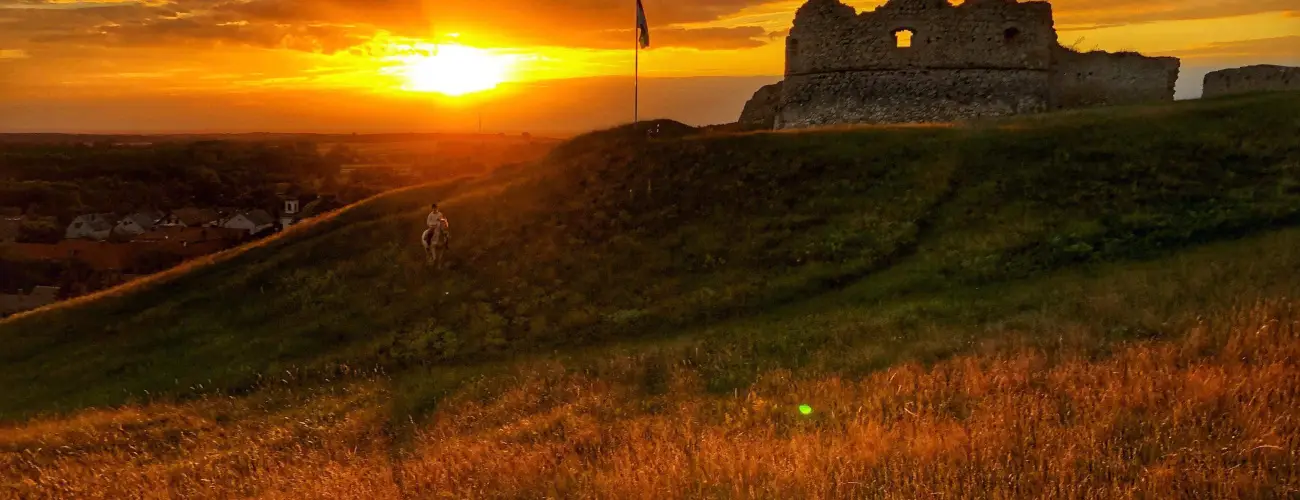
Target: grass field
x=1094, y=304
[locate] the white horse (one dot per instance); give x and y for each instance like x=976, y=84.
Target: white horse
x=435, y=240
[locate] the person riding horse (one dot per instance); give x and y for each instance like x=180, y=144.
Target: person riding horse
x=436, y=238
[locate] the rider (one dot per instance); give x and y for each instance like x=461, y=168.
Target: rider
x=437, y=228
x=435, y=220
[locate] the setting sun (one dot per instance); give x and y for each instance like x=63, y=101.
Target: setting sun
x=454, y=70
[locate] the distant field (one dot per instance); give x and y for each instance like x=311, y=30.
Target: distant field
x=335, y=138
x=1092, y=304
x=437, y=158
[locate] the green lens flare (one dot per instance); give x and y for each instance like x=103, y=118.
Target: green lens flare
x=805, y=409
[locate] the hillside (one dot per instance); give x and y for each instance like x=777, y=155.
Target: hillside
x=716, y=281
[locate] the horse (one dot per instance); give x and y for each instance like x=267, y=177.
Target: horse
x=435, y=240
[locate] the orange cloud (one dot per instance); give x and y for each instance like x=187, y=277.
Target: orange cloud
x=1121, y=12
x=334, y=25
x=1277, y=48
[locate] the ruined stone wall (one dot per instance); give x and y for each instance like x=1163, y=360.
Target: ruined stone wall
x=983, y=58
x=1262, y=78
x=1102, y=78
x=910, y=96
x=827, y=36
x=760, y=111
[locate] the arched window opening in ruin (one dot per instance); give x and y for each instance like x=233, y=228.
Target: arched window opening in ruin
x=793, y=47
x=903, y=38
x=1011, y=34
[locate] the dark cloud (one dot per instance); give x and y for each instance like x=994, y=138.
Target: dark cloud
x=1121, y=12
x=741, y=37
x=580, y=23
x=334, y=25
x=204, y=33
x=543, y=16
x=33, y=24
x=1282, y=49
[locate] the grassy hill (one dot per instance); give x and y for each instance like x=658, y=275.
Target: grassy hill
x=641, y=318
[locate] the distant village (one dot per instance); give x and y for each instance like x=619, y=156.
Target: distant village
x=118, y=248
x=83, y=214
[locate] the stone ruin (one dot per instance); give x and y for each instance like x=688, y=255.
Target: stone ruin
x=931, y=61
x=1261, y=78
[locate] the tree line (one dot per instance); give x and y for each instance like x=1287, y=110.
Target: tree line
x=65, y=180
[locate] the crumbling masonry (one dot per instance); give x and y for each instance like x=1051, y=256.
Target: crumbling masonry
x=930, y=61
x=1261, y=78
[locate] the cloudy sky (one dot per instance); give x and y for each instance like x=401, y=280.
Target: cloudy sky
x=562, y=65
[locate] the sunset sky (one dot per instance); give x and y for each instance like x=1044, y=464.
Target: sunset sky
x=564, y=65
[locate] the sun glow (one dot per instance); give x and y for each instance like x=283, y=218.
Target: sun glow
x=454, y=70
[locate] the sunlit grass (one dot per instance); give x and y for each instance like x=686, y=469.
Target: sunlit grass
x=1211, y=415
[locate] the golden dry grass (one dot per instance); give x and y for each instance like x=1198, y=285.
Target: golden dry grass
x=1215, y=414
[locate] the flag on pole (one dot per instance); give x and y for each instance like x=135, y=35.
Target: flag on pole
x=642, y=28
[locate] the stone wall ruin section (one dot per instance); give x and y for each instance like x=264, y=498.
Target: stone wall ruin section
x=760, y=111
x=983, y=58
x=979, y=59
x=1105, y=79
x=910, y=96
x=829, y=36
x=1261, y=78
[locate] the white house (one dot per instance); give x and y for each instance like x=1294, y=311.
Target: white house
x=137, y=223
x=190, y=217
x=91, y=226
x=252, y=221
x=289, y=214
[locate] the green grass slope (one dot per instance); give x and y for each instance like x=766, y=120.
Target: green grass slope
x=615, y=237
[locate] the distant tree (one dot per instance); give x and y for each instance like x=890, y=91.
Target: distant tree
x=39, y=231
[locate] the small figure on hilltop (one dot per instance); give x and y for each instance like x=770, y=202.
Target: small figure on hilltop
x=436, y=238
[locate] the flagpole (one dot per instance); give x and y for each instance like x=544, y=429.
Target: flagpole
x=636, y=65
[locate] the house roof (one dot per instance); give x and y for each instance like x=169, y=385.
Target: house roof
x=173, y=233
x=146, y=219
x=259, y=217
x=97, y=222
x=196, y=216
